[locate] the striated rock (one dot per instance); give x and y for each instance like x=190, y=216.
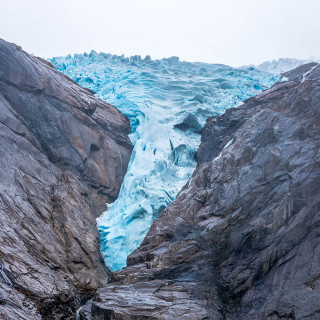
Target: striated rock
x=63, y=155
x=241, y=241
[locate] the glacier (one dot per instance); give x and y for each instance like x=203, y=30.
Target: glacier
x=167, y=102
x=283, y=65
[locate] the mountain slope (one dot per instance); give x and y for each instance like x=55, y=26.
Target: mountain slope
x=63, y=155
x=241, y=241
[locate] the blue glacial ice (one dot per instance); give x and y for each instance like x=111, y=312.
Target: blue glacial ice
x=167, y=102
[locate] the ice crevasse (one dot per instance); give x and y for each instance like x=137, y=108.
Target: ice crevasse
x=167, y=102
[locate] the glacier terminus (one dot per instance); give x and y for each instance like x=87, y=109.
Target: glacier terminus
x=167, y=102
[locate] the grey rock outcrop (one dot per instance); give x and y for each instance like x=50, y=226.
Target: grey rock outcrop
x=63, y=155
x=241, y=241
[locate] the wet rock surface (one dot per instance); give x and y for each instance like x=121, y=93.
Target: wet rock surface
x=241, y=241
x=63, y=155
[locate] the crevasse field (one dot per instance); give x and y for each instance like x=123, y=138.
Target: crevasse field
x=167, y=102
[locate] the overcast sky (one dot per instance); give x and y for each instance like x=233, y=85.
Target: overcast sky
x=234, y=32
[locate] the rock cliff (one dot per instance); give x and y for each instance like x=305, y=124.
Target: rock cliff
x=241, y=241
x=63, y=155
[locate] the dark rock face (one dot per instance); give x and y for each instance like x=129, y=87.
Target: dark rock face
x=63, y=155
x=242, y=239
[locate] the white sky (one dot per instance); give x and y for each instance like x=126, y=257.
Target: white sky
x=233, y=32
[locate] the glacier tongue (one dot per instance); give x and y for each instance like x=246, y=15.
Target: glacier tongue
x=167, y=102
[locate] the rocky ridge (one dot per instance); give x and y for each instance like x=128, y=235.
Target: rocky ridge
x=241, y=241
x=63, y=155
